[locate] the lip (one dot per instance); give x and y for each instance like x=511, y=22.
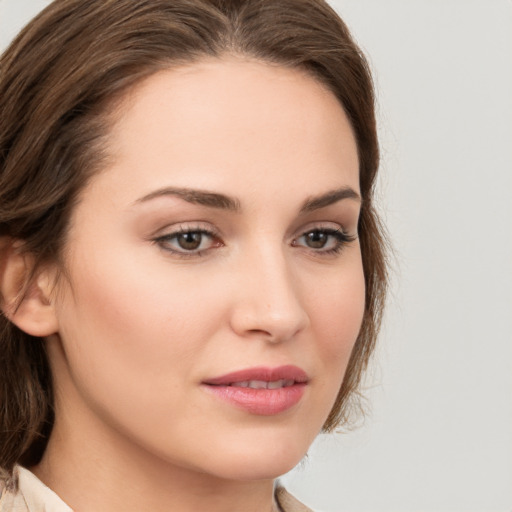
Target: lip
x=231, y=388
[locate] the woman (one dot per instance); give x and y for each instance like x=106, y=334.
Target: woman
x=192, y=271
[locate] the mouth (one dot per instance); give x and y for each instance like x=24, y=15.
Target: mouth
x=263, y=384
x=260, y=391
x=261, y=377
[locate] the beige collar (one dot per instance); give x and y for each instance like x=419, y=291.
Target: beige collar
x=29, y=494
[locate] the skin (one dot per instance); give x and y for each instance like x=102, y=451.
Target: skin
x=141, y=324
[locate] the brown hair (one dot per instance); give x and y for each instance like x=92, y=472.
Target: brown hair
x=57, y=80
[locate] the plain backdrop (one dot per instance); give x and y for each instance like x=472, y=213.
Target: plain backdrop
x=438, y=436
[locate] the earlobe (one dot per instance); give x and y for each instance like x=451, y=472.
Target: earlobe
x=26, y=298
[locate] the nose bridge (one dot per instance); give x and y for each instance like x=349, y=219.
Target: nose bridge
x=270, y=304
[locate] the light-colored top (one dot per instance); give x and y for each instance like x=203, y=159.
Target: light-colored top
x=26, y=493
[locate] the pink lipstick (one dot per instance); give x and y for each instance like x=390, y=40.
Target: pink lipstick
x=263, y=391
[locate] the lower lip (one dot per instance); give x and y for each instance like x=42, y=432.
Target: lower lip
x=265, y=402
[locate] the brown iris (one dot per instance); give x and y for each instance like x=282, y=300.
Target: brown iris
x=316, y=239
x=189, y=241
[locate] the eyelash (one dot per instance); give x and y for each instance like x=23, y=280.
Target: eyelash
x=164, y=241
x=341, y=239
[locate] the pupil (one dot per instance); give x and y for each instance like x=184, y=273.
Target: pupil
x=189, y=241
x=316, y=239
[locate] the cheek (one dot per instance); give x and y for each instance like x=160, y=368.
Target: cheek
x=337, y=311
x=335, y=303
x=117, y=325
x=130, y=321
x=336, y=306
x=130, y=342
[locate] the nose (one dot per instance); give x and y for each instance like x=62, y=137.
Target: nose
x=268, y=301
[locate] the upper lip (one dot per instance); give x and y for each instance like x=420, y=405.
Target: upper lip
x=261, y=373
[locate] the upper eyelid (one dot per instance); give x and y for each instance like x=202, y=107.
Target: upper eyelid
x=330, y=231
x=181, y=227
x=212, y=230
x=322, y=225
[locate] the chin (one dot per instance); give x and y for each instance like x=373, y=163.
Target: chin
x=248, y=470
x=259, y=460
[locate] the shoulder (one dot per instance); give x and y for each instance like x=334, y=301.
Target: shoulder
x=26, y=493
x=11, y=500
x=287, y=503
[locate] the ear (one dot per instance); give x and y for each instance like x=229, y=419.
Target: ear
x=26, y=299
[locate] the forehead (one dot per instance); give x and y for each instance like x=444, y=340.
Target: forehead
x=232, y=119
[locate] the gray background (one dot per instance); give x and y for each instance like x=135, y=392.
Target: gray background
x=439, y=434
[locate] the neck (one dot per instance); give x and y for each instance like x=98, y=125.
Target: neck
x=91, y=479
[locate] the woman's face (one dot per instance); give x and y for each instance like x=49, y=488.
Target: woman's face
x=214, y=284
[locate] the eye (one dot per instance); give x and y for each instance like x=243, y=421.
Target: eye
x=188, y=241
x=325, y=240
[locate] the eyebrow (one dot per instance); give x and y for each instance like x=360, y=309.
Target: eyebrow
x=331, y=197
x=202, y=197
x=223, y=202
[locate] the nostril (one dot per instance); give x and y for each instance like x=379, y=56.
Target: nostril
x=261, y=333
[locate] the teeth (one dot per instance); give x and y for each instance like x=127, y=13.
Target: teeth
x=258, y=384
x=263, y=384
